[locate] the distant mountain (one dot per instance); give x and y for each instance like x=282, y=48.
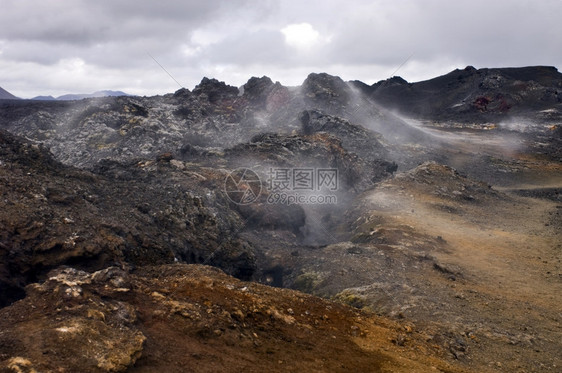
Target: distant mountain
x=44, y=98
x=81, y=96
x=5, y=95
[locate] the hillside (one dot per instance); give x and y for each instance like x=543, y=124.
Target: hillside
x=5, y=95
x=476, y=94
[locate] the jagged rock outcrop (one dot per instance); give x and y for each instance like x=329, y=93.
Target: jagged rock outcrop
x=142, y=213
x=215, y=91
x=256, y=90
x=365, y=143
x=78, y=323
x=326, y=90
x=349, y=101
x=446, y=182
x=263, y=94
x=316, y=150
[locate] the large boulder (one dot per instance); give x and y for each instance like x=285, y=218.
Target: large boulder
x=215, y=90
x=326, y=90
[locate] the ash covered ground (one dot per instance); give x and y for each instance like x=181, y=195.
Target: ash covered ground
x=439, y=250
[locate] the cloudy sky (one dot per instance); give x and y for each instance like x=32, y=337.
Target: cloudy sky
x=53, y=47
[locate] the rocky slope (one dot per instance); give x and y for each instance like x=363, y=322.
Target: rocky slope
x=179, y=318
x=143, y=213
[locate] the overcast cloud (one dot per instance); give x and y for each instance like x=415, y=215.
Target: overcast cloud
x=52, y=47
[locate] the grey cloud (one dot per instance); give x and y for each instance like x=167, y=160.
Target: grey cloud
x=475, y=30
x=82, y=21
x=114, y=34
x=258, y=47
x=113, y=38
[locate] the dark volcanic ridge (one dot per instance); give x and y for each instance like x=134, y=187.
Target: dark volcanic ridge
x=475, y=95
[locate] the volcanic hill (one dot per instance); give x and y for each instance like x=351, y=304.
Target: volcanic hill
x=329, y=227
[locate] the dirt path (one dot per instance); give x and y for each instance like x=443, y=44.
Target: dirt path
x=508, y=250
